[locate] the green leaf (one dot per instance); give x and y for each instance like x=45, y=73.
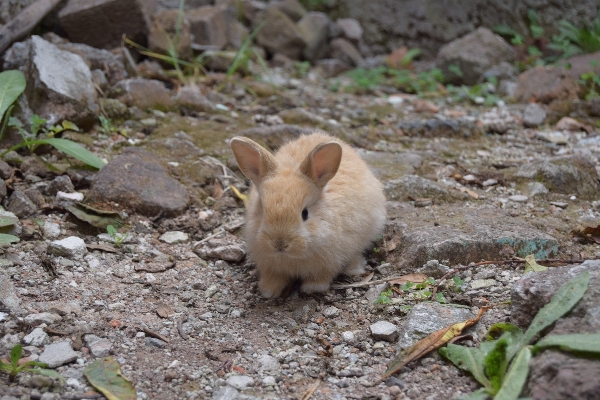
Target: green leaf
x=5, y=238
x=583, y=342
x=515, y=378
x=75, y=150
x=455, y=69
x=12, y=84
x=532, y=265
x=480, y=394
x=48, y=372
x=410, y=55
x=469, y=359
x=8, y=220
x=36, y=122
x=15, y=355
x=105, y=376
x=96, y=217
x=562, y=302
x=111, y=230
x=70, y=126
x=496, y=362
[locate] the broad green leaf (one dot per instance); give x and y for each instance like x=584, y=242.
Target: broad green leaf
x=105, y=376
x=584, y=342
x=75, y=150
x=69, y=125
x=7, y=220
x=514, y=333
x=480, y=394
x=5, y=238
x=96, y=217
x=562, y=302
x=15, y=355
x=515, y=378
x=532, y=265
x=468, y=358
x=496, y=362
x=12, y=84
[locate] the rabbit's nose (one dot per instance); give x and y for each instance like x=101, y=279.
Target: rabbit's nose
x=281, y=244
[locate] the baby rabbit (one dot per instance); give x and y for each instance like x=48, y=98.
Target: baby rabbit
x=313, y=208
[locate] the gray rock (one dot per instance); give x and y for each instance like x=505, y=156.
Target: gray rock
x=331, y=312
x=569, y=175
x=268, y=363
x=546, y=85
x=209, y=26
x=383, y=330
x=153, y=342
x=314, y=27
x=72, y=248
x=143, y=94
x=474, y=54
x=557, y=137
x=20, y=204
x=58, y=354
x=225, y=393
x=221, y=249
x=3, y=190
x=534, y=115
x=330, y=67
x=519, y=198
x=536, y=189
x=468, y=235
x=293, y=9
x=79, y=18
x=174, y=237
x=164, y=27
x=348, y=337
x=426, y=318
x=280, y=34
x=435, y=127
x=414, y=186
x=100, y=348
x=343, y=50
x=507, y=88
x=240, y=382
x=60, y=184
x=434, y=269
x=8, y=295
x=98, y=59
x=138, y=182
x=372, y=295
x=62, y=82
x=37, y=338
x=502, y=71
x=5, y=170
x=192, y=100
x=482, y=283
x=350, y=29
x=43, y=318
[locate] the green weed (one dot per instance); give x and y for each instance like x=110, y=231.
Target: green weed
x=13, y=368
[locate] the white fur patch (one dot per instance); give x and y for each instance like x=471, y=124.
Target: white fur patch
x=314, y=287
x=357, y=267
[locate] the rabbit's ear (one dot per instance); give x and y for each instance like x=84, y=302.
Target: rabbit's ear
x=322, y=163
x=254, y=160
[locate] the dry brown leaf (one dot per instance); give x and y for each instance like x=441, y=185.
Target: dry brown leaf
x=103, y=247
x=589, y=234
x=217, y=191
x=414, y=278
x=164, y=311
x=308, y=394
x=434, y=341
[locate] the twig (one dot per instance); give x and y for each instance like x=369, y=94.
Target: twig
x=308, y=394
x=446, y=275
x=53, y=332
x=151, y=333
x=183, y=335
x=519, y=260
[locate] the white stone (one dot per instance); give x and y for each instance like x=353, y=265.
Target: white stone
x=76, y=196
x=268, y=363
x=72, y=247
x=174, y=237
x=37, y=337
x=51, y=230
x=519, y=198
x=269, y=381
x=101, y=348
x=240, y=382
x=42, y=318
x=483, y=283
x=331, y=312
x=58, y=354
x=383, y=330
x=348, y=337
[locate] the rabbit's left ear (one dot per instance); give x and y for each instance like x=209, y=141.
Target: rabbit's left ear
x=254, y=160
x=322, y=163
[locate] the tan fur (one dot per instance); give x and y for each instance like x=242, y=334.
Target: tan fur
x=343, y=218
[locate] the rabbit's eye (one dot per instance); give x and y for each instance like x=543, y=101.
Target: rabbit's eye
x=304, y=214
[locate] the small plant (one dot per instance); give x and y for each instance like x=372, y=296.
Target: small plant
x=483, y=93
x=501, y=363
x=591, y=83
x=12, y=85
x=302, y=68
x=367, y=79
x=13, y=368
x=118, y=238
x=385, y=297
x=573, y=40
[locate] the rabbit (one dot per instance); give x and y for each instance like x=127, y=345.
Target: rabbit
x=313, y=208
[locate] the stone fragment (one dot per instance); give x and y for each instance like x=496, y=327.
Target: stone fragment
x=330, y=67
x=414, y=186
x=138, y=182
x=268, y=363
x=546, y=85
x=190, y=99
x=482, y=283
x=225, y=393
x=98, y=59
x=300, y=115
x=348, y=337
x=474, y=54
x=383, y=330
x=426, y=318
x=209, y=26
x=163, y=29
x=573, y=174
x=434, y=269
x=293, y=9
x=114, y=108
x=519, y=198
x=343, y=50
x=5, y=170
x=232, y=252
x=331, y=312
x=60, y=183
x=72, y=247
x=556, y=137
x=174, y=237
x=582, y=64
x=279, y=34
x=8, y=294
x=504, y=71
x=350, y=29
x=374, y=291
x=100, y=348
x=20, y=205
x=314, y=27
x=57, y=354
x=102, y=23
x=534, y=115
x=59, y=84
x=143, y=94
x=150, y=341
x=43, y=318
x=37, y=338
x=240, y=382
x=536, y=189
x=569, y=124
